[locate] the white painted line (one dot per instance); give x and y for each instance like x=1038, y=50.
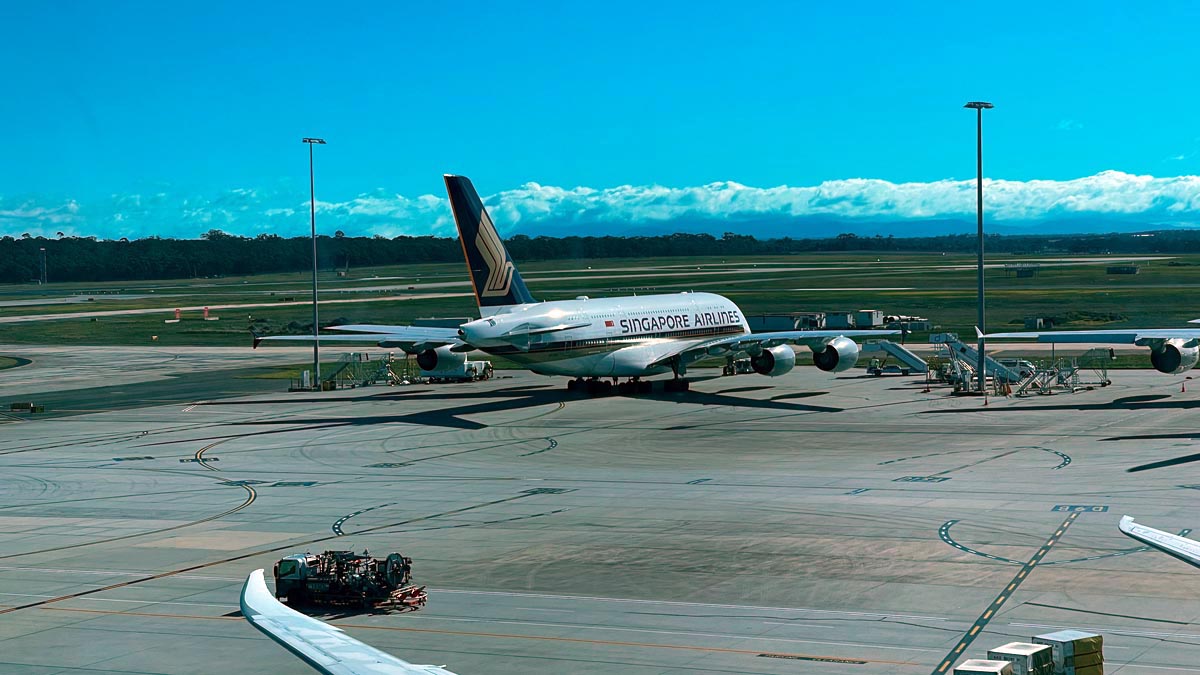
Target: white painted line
x=116, y=573
x=135, y=602
x=586, y=627
x=874, y=615
x=1126, y=666
x=1120, y=632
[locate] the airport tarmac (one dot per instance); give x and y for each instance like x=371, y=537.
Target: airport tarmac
x=804, y=524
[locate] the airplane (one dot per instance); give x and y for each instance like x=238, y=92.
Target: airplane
x=1180, y=548
x=1172, y=350
x=324, y=647
x=590, y=339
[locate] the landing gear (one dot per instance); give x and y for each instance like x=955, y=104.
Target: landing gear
x=633, y=386
x=592, y=387
x=677, y=384
x=599, y=387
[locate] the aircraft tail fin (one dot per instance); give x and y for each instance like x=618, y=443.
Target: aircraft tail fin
x=494, y=275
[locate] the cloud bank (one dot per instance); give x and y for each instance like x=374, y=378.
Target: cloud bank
x=1108, y=200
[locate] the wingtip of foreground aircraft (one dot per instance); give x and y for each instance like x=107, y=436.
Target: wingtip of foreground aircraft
x=1177, y=546
x=323, y=646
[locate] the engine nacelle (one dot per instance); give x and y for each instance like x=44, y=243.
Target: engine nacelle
x=1174, y=357
x=440, y=359
x=840, y=353
x=775, y=361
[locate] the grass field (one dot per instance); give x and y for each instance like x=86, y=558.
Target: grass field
x=11, y=362
x=941, y=287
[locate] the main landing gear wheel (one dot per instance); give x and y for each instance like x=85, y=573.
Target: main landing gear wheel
x=676, y=385
x=633, y=386
x=599, y=387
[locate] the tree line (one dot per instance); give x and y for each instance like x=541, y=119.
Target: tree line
x=217, y=253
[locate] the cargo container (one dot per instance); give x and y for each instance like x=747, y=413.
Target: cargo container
x=1074, y=652
x=983, y=667
x=1026, y=658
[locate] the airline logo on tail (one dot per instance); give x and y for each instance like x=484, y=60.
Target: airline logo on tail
x=494, y=275
x=500, y=268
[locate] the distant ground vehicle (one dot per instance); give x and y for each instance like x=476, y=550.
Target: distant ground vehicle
x=468, y=371
x=738, y=367
x=1021, y=366
x=346, y=578
x=876, y=368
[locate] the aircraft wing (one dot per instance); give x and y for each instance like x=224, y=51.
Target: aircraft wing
x=404, y=337
x=1181, y=548
x=324, y=647
x=741, y=343
x=1132, y=336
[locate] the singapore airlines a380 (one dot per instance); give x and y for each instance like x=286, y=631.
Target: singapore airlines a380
x=598, y=342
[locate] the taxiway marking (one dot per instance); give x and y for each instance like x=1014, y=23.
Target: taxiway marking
x=994, y=608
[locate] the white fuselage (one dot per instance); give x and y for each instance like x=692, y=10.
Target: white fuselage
x=604, y=337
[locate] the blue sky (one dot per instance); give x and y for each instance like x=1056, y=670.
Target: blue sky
x=142, y=118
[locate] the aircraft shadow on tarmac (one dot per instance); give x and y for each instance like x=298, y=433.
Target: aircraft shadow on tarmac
x=500, y=400
x=1147, y=402
x=1144, y=402
x=1162, y=464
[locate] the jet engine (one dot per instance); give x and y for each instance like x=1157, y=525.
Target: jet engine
x=840, y=353
x=775, y=361
x=440, y=359
x=1174, y=357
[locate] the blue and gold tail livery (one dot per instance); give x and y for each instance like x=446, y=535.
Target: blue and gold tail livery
x=497, y=282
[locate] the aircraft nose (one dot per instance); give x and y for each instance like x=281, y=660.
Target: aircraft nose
x=474, y=332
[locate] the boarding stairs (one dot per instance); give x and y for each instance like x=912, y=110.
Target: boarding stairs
x=358, y=369
x=968, y=357
x=899, y=352
x=1070, y=374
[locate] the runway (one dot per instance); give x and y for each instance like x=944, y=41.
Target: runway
x=803, y=524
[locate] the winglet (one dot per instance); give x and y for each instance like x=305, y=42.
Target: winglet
x=257, y=339
x=1126, y=524
x=978, y=333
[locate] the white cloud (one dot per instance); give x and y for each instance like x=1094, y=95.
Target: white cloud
x=533, y=207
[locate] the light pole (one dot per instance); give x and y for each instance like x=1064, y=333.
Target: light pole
x=979, y=107
x=43, y=250
x=312, y=201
